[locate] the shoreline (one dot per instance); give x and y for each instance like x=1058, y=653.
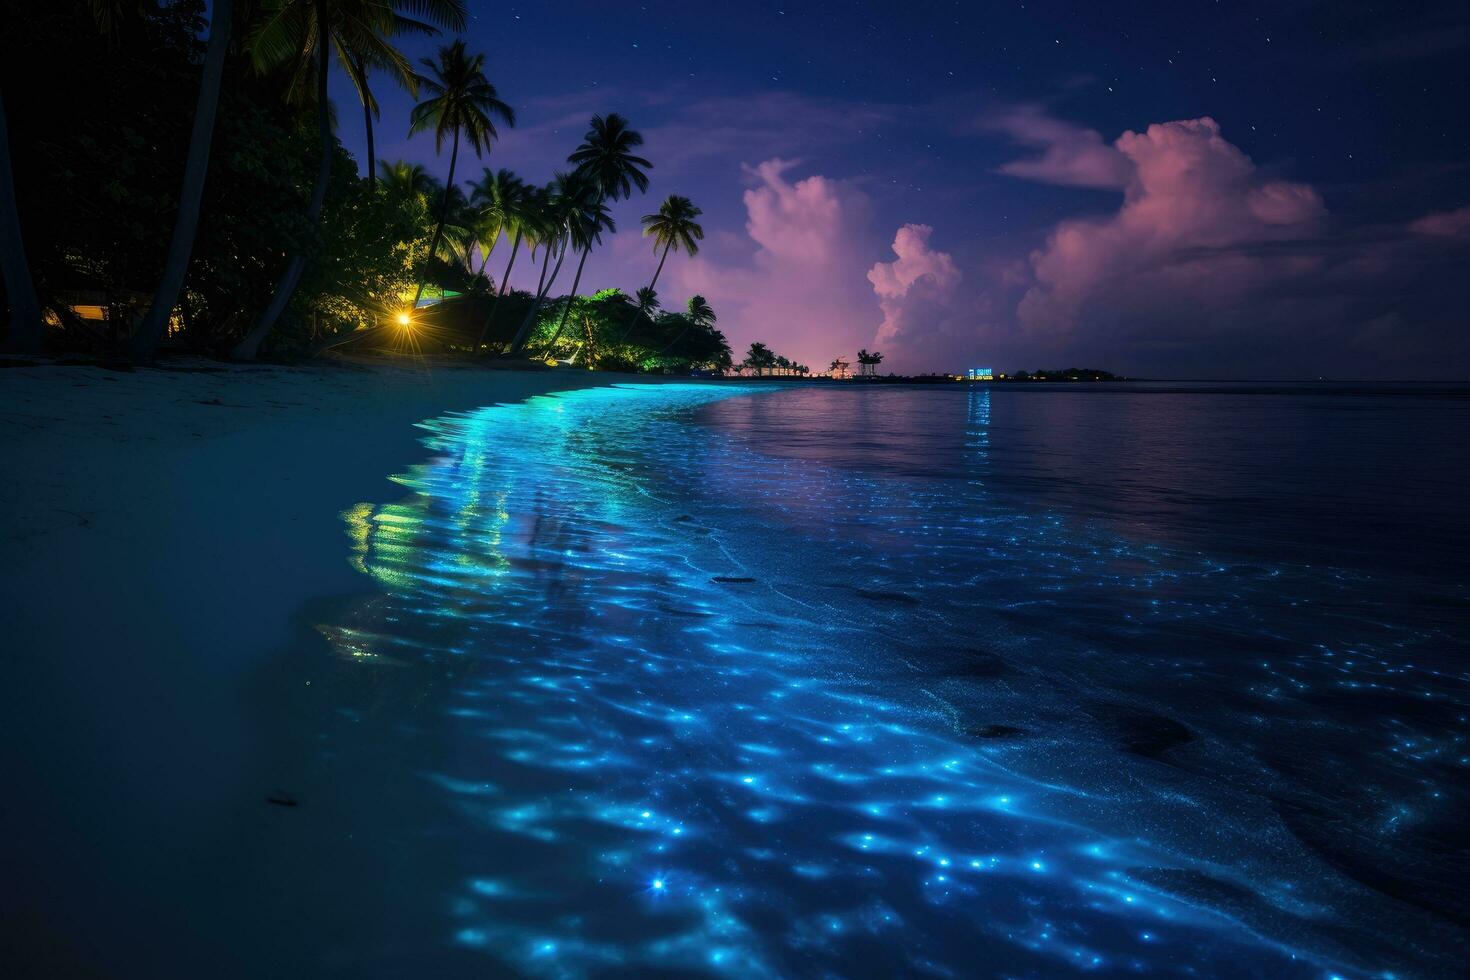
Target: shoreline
x=216, y=745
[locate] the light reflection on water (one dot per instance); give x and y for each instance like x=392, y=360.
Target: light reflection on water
x=715, y=710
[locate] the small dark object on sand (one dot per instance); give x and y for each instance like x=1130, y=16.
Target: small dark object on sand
x=974, y=663
x=1143, y=732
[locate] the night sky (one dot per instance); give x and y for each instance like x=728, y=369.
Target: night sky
x=1188, y=189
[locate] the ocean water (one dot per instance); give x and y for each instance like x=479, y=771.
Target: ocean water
x=844, y=681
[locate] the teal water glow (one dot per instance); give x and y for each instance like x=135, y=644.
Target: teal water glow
x=704, y=707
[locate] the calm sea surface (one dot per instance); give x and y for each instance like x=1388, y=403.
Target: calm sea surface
x=893, y=681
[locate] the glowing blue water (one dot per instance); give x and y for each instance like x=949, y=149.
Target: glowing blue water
x=791, y=682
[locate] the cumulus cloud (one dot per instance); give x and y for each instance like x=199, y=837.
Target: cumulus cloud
x=1206, y=265
x=1444, y=224
x=916, y=263
x=916, y=292
x=795, y=291
x=1200, y=229
x=795, y=221
x=1070, y=155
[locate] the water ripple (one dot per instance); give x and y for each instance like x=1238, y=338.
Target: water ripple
x=714, y=710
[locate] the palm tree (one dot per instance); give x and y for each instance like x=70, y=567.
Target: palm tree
x=525, y=208
x=759, y=357
x=487, y=198
x=458, y=238
x=196, y=166
x=606, y=157
x=583, y=233
x=701, y=315
x=585, y=217
x=27, y=333
x=408, y=184
x=358, y=64
x=500, y=196
x=647, y=299
x=461, y=102
x=302, y=35
x=549, y=230
x=360, y=31
x=482, y=232
x=701, y=312
x=673, y=227
x=404, y=180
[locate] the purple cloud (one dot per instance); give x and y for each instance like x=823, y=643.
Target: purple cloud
x=1444, y=224
x=794, y=289
x=1192, y=230
x=1070, y=155
x=917, y=293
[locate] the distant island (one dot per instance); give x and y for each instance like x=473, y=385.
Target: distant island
x=781, y=370
x=1020, y=377
x=762, y=362
x=1063, y=374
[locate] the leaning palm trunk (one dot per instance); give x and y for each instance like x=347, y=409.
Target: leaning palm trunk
x=246, y=349
x=504, y=283
x=664, y=258
x=186, y=222
x=443, y=217
x=556, y=334
x=26, y=332
x=528, y=324
x=672, y=343
x=576, y=281
x=485, y=251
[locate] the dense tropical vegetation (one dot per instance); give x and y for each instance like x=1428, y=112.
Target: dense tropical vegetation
x=131, y=192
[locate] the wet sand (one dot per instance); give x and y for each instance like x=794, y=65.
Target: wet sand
x=161, y=531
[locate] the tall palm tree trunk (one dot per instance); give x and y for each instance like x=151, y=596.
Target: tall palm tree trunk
x=571, y=297
x=556, y=334
x=246, y=349
x=659, y=271
x=545, y=264
x=367, y=125
x=26, y=331
x=504, y=283
x=485, y=252
x=543, y=290
x=443, y=217
x=186, y=222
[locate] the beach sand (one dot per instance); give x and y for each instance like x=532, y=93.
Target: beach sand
x=162, y=530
